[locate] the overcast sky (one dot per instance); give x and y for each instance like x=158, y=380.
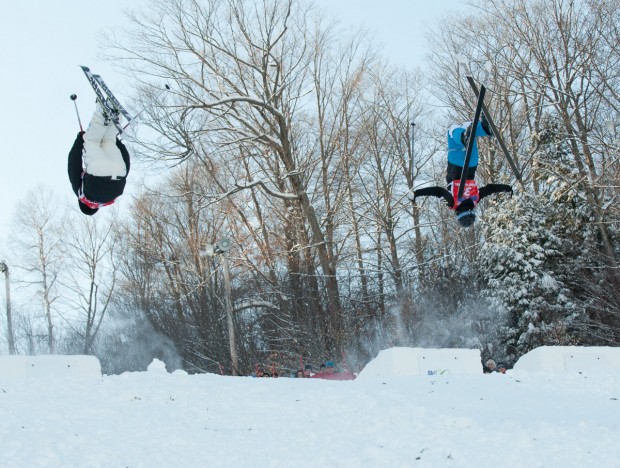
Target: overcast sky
x=43, y=42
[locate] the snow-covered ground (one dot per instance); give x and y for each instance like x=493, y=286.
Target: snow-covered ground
x=157, y=419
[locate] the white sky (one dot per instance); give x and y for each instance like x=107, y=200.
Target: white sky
x=43, y=42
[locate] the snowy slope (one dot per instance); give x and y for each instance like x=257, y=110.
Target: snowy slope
x=157, y=419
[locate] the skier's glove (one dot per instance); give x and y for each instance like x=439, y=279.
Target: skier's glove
x=465, y=135
x=485, y=125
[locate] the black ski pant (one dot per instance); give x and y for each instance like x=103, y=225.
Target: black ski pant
x=453, y=172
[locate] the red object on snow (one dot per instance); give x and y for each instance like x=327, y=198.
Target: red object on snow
x=335, y=376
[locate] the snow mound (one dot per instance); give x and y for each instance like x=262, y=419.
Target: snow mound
x=422, y=361
x=157, y=366
x=570, y=359
x=42, y=367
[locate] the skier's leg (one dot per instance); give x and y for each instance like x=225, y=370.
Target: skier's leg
x=114, y=166
x=97, y=127
x=453, y=172
x=108, y=141
x=109, y=134
x=101, y=155
x=93, y=152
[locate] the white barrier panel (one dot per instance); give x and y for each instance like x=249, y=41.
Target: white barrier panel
x=570, y=359
x=423, y=361
x=41, y=367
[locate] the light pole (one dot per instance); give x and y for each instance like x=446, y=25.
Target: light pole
x=222, y=247
x=412, y=152
x=4, y=268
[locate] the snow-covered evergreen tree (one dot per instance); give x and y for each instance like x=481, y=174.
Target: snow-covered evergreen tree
x=534, y=246
x=524, y=265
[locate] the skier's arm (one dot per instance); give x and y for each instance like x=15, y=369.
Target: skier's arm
x=482, y=130
x=435, y=192
x=75, y=163
x=494, y=188
x=124, y=153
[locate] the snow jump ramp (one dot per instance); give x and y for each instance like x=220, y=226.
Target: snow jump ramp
x=42, y=367
x=570, y=359
x=423, y=361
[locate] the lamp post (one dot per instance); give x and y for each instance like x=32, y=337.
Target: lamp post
x=412, y=151
x=222, y=247
x=4, y=268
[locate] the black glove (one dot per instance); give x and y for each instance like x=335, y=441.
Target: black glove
x=485, y=125
x=465, y=135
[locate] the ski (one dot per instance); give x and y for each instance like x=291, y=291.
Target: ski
x=112, y=98
x=471, y=141
x=106, y=98
x=500, y=140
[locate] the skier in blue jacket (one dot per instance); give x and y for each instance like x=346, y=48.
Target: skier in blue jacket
x=458, y=137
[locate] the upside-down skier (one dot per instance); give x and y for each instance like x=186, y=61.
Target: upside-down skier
x=98, y=164
x=464, y=207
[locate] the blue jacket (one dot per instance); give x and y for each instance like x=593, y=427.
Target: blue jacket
x=456, y=148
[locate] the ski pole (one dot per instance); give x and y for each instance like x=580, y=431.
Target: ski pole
x=166, y=88
x=73, y=97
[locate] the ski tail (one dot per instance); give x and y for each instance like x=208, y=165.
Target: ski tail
x=471, y=141
x=497, y=135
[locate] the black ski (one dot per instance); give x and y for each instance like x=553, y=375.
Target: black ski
x=497, y=135
x=471, y=141
x=107, y=99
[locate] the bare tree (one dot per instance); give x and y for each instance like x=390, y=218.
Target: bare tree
x=90, y=281
x=37, y=241
x=166, y=277
x=243, y=77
